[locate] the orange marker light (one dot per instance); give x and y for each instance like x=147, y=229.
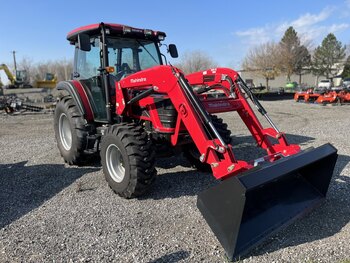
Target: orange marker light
x=110, y=69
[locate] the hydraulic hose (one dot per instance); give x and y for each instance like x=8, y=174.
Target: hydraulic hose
x=198, y=106
x=256, y=102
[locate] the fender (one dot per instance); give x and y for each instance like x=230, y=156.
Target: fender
x=77, y=92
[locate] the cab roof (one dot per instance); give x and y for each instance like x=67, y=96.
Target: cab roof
x=115, y=30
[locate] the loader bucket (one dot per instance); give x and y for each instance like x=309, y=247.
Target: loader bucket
x=243, y=210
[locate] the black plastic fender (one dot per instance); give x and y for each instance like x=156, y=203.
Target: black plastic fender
x=72, y=91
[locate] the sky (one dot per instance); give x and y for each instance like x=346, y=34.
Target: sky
x=223, y=29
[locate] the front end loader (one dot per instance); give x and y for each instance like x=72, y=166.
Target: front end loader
x=129, y=106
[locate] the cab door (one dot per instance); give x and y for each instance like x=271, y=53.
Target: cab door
x=86, y=70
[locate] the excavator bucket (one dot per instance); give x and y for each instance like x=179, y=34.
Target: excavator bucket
x=243, y=210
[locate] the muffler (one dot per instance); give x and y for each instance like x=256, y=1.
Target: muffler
x=243, y=210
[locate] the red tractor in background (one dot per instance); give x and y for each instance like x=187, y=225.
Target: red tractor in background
x=131, y=106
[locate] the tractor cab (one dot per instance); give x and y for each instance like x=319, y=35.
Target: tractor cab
x=21, y=76
x=107, y=53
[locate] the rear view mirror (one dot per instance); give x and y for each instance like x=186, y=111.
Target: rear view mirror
x=84, y=42
x=173, y=51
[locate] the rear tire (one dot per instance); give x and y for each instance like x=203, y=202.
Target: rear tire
x=191, y=152
x=70, y=131
x=128, y=159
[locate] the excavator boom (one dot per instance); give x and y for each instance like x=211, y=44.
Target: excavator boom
x=8, y=73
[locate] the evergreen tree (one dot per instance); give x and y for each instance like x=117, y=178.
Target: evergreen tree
x=294, y=56
x=328, y=56
x=303, y=64
x=346, y=70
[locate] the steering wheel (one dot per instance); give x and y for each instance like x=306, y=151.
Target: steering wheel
x=124, y=73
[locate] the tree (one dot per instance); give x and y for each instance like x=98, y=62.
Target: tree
x=264, y=61
x=303, y=64
x=27, y=65
x=61, y=68
x=346, y=70
x=195, y=61
x=294, y=56
x=328, y=56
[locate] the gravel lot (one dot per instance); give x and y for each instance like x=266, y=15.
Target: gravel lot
x=50, y=212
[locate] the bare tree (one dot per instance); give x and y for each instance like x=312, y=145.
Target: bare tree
x=62, y=69
x=195, y=61
x=264, y=61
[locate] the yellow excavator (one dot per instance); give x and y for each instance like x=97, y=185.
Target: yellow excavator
x=49, y=82
x=18, y=81
x=21, y=79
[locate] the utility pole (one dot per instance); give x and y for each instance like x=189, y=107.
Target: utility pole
x=14, y=60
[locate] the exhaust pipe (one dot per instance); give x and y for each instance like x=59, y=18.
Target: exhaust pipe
x=244, y=210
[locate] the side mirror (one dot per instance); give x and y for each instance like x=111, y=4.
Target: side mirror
x=84, y=42
x=173, y=51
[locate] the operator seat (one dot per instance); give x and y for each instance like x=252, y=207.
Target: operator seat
x=125, y=67
x=124, y=70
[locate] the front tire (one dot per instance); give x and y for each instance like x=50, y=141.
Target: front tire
x=70, y=131
x=128, y=160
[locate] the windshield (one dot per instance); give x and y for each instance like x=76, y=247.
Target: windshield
x=129, y=55
x=126, y=55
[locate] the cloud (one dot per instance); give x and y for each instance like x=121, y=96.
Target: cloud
x=338, y=27
x=312, y=19
x=345, y=12
x=255, y=34
x=310, y=27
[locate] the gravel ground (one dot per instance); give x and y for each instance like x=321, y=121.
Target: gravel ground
x=50, y=212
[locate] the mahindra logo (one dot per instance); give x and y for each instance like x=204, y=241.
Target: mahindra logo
x=138, y=80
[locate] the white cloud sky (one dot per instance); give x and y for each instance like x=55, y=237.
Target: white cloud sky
x=310, y=27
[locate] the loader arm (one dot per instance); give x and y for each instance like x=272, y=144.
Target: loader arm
x=193, y=114
x=229, y=79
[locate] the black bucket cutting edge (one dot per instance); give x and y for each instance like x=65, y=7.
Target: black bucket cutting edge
x=244, y=210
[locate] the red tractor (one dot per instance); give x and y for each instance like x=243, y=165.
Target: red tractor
x=127, y=103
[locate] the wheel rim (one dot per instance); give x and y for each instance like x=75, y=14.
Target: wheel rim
x=65, y=132
x=115, y=163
